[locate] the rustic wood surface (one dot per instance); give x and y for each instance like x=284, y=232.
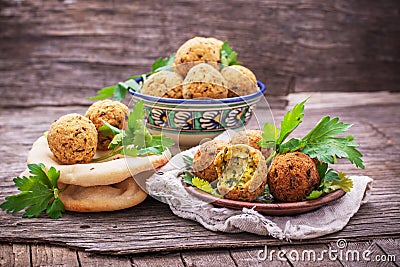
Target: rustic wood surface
x=151, y=227
x=76, y=47
x=54, y=54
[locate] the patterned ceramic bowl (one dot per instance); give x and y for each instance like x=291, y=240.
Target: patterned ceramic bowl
x=188, y=121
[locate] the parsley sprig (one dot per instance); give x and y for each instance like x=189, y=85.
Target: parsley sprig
x=228, y=56
x=118, y=91
x=321, y=143
x=39, y=192
x=136, y=140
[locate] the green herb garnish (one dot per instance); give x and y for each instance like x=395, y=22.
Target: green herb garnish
x=228, y=56
x=136, y=140
x=39, y=192
x=321, y=143
x=118, y=91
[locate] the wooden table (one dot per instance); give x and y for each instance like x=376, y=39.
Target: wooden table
x=150, y=235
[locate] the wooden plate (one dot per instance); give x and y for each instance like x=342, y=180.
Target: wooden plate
x=274, y=208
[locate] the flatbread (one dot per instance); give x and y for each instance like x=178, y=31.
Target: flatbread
x=92, y=174
x=117, y=196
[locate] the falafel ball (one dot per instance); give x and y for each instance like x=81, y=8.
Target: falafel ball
x=292, y=177
x=72, y=139
x=113, y=112
x=203, y=160
x=196, y=50
x=241, y=80
x=242, y=172
x=203, y=81
x=251, y=138
x=163, y=84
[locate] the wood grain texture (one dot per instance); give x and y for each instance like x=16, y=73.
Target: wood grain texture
x=208, y=258
x=249, y=257
x=78, y=47
x=45, y=255
x=17, y=255
x=90, y=259
x=173, y=260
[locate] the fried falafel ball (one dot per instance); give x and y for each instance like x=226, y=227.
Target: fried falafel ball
x=242, y=172
x=113, y=112
x=241, y=80
x=72, y=139
x=163, y=84
x=203, y=81
x=251, y=138
x=196, y=50
x=292, y=177
x=203, y=160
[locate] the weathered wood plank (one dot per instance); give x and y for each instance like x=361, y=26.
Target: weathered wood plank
x=249, y=257
x=218, y=258
x=359, y=253
x=53, y=256
x=90, y=259
x=307, y=255
x=173, y=260
x=78, y=47
x=14, y=255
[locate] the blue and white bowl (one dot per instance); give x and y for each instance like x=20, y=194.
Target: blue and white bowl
x=189, y=121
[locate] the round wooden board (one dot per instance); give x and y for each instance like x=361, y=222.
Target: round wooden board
x=275, y=208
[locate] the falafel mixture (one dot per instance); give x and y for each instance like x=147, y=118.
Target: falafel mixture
x=242, y=172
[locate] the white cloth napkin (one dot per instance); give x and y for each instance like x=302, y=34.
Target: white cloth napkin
x=167, y=187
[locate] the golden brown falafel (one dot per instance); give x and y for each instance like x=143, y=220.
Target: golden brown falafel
x=72, y=139
x=111, y=111
x=163, y=84
x=195, y=51
x=241, y=80
x=203, y=160
x=203, y=81
x=251, y=138
x=242, y=172
x=292, y=177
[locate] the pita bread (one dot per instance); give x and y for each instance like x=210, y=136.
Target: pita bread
x=100, y=173
x=98, y=198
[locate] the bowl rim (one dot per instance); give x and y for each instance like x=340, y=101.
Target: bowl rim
x=236, y=99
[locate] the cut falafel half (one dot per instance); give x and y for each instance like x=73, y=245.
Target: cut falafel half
x=242, y=172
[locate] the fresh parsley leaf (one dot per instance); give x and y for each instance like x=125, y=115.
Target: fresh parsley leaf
x=320, y=142
x=228, y=56
x=293, y=144
x=108, y=130
x=104, y=93
x=136, y=140
x=163, y=63
x=270, y=134
x=205, y=186
x=314, y=194
x=290, y=121
x=187, y=177
x=39, y=192
x=188, y=161
x=202, y=184
x=344, y=183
